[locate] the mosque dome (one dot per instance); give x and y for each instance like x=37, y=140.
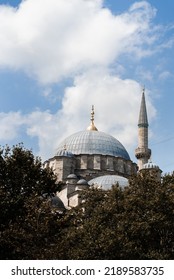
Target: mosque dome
x=107, y=181
x=93, y=142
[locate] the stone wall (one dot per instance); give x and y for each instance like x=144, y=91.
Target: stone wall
x=90, y=166
x=61, y=166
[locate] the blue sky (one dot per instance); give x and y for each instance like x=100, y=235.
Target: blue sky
x=58, y=57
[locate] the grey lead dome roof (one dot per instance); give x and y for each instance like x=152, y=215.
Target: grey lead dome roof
x=93, y=142
x=64, y=153
x=150, y=165
x=107, y=181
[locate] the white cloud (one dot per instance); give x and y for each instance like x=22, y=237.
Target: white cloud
x=10, y=124
x=144, y=74
x=116, y=101
x=40, y=124
x=54, y=39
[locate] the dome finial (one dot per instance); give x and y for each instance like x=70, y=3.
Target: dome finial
x=92, y=113
x=92, y=126
x=143, y=88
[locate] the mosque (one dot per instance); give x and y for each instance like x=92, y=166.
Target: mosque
x=94, y=158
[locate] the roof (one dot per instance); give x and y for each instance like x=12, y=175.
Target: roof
x=82, y=182
x=107, y=181
x=57, y=202
x=150, y=165
x=93, y=142
x=143, y=121
x=64, y=153
x=72, y=176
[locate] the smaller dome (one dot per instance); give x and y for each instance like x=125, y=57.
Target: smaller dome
x=107, y=181
x=56, y=202
x=82, y=182
x=150, y=165
x=64, y=153
x=72, y=176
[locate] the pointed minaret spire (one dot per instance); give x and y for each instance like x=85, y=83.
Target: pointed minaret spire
x=143, y=121
x=142, y=153
x=92, y=125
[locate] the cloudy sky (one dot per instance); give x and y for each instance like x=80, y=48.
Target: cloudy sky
x=59, y=57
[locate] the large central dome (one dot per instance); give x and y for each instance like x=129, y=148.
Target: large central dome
x=93, y=142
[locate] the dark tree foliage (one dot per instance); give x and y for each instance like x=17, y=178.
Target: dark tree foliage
x=96, y=235
x=22, y=181
x=132, y=223
x=32, y=237
x=136, y=222
x=148, y=218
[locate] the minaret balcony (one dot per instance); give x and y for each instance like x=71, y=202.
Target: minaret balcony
x=142, y=152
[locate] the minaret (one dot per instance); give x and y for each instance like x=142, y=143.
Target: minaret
x=142, y=153
x=92, y=125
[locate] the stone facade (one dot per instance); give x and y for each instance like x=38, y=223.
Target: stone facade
x=62, y=166
x=90, y=166
x=95, y=155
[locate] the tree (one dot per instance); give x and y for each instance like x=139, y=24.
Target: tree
x=22, y=181
x=135, y=222
x=91, y=230
x=148, y=216
x=131, y=223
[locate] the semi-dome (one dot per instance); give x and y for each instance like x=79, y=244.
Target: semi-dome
x=93, y=142
x=107, y=181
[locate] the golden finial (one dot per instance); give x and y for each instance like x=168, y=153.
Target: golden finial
x=92, y=113
x=92, y=126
